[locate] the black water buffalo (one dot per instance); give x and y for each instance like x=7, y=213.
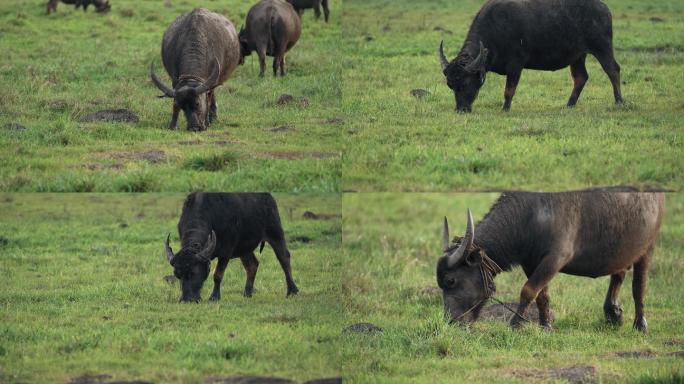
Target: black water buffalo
x=301, y=5
x=226, y=226
x=579, y=233
x=100, y=5
x=200, y=50
x=272, y=28
x=509, y=35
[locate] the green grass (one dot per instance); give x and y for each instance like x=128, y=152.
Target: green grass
x=58, y=68
x=83, y=293
x=391, y=246
x=395, y=142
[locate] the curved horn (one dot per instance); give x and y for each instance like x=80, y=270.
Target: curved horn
x=211, y=82
x=466, y=243
x=478, y=65
x=167, y=248
x=205, y=254
x=168, y=92
x=442, y=58
x=445, y=236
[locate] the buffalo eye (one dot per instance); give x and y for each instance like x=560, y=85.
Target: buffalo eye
x=450, y=282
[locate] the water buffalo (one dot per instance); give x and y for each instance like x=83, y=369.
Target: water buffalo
x=199, y=50
x=509, y=35
x=272, y=28
x=100, y=5
x=226, y=226
x=301, y=5
x=579, y=233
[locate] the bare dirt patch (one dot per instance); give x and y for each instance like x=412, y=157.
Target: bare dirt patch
x=102, y=379
x=111, y=116
x=500, y=313
x=674, y=342
x=636, y=354
x=248, y=380
x=153, y=157
x=14, y=127
x=578, y=374
x=286, y=99
x=366, y=328
x=283, y=128
x=677, y=354
x=320, y=216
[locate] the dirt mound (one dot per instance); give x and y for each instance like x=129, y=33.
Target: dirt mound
x=363, y=328
x=578, y=374
x=321, y=216
x=419, y=93
x=111, y=115
x=249, y=380
x=286, y=99
x=500, y=313
x=102, y=379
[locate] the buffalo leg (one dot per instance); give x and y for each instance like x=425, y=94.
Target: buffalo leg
x=540, y=278
x=277, y=242
x=639, y=290
x=512, y=78
x=218, y=277
x=611, y=307
x=612, y=69
x=276, y=64
x=326, y=10
x=579, y=77
x=317, y=9
x=262, y=61
x=212, y=108
x=174, y=117
x=545, y=314
x=282, y=65
x=251, y=265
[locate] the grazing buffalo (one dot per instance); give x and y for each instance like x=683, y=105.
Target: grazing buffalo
x=226, y=226
x=100, y=5
x=301, y=5
x=273, y=27
x=200, y=50
x=589, y=233
x=509, y=35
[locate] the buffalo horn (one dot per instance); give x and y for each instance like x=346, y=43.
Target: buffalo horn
x=211, y=82
x=466, y=243
x=205, y=254
x=442, y=58
x=445, y=236
x=167, y=248
x=168, y=92
x=478, y=65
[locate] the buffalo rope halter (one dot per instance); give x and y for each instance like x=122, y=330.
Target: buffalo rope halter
x=488, y=269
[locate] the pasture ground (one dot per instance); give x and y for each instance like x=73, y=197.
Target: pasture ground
x=84, y=294
x=56, y=69
x=397, y=142
x=391, y=246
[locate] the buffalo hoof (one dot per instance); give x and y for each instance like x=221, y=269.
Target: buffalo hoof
x=215, y=297
x=517, y=322
x=547, y=327
x=173, y=126
x=292, y=291
x=248, y=292
x=641, y=325
x=613, y=314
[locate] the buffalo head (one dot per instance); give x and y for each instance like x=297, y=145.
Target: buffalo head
x=191, y=96
x=465, y=282
x=464, y=77
x=191, y=266
x=244, y=45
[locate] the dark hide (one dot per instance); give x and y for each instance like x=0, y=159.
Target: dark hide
x=240, y=222
x=589, y=234
x=509, y=35
x=100, y=5
x=200, y=50
x=301, y=5
x=273, y=28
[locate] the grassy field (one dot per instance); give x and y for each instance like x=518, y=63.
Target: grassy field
x=83, y=293
x=396, y=142
x=56, y=69
x=391, y=246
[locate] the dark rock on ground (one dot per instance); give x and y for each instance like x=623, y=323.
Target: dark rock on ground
x=111, y=115
x=363, y=328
